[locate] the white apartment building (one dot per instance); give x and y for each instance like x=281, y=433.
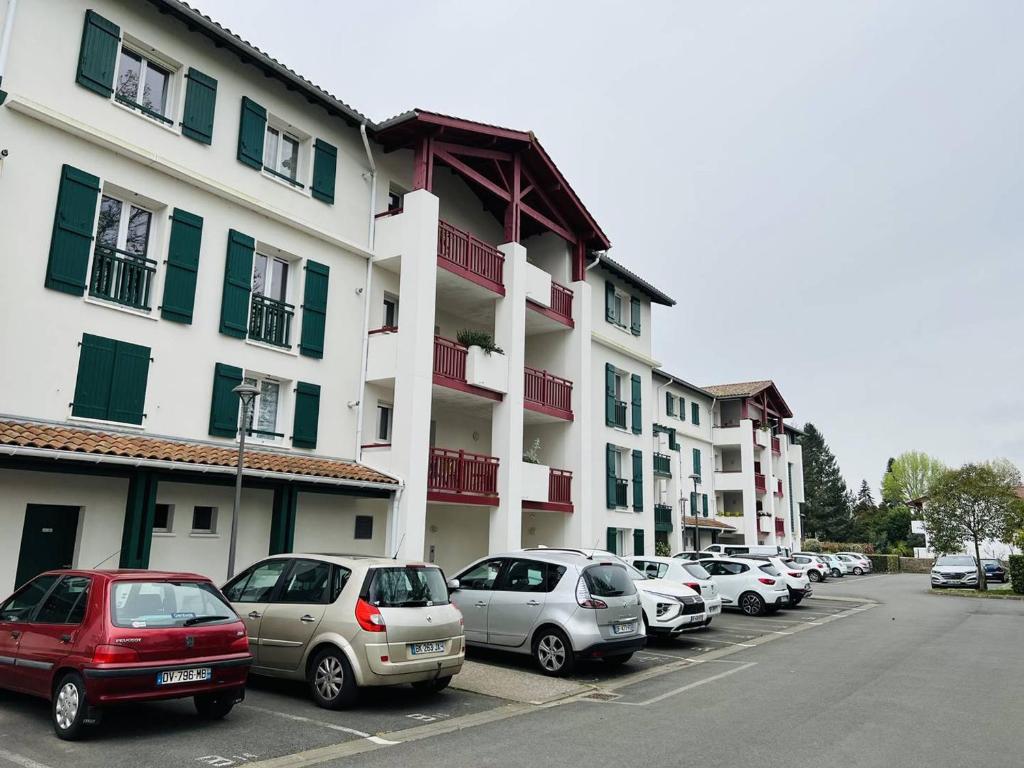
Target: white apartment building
x=758, y=481
x=189, y=214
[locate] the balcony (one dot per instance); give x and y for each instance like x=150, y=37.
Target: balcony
x=776, y=446
x=121, y=277
x=461, y=253
x=477, y=374
x=621, y=492
x=778, y=488
x=558, y=311
x=780, y=526
x=270, y=321
x=548, y=394
x=619, y=415
x=662, y=517
x=460, y=477
x=760, y=486
x=663, y=464
x=559, y=493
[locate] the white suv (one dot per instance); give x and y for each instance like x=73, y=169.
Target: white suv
x=815, y=566
x=754, y=588
x=859, y=564
x=796, y=579
x=685, y=572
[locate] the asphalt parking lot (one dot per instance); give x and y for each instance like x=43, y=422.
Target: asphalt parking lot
x=277, y=718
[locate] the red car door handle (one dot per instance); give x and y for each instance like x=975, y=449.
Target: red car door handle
x=65, y=638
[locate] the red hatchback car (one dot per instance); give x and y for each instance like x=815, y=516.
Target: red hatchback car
x=85, y=639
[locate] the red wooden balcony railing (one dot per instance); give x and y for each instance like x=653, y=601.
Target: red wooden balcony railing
x=550, y=392
x=467, y=254
x=560, y=486
x=561, y=300
x=776, y=446
x=759, y=483
x=780, y=526
x=449, y=359
x=461, y=472
x=778, y=489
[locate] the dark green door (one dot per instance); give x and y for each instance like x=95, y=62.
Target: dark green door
x=47, y=540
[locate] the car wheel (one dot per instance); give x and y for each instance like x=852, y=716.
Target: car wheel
x=752, y=604
x=331, y=680
x=68, y=707
x=794, y=601
x=436, y=685
x=836, y=573
x=618, y=660
x=215, y=706
x=813, y=575
x=707, y=623
x=858, y=571
x=553, y=653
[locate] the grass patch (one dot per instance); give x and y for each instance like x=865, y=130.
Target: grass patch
x=1002, y=592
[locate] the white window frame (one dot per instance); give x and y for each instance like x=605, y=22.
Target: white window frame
x=212, y=530
x=122, y=227
x=282, y=391
x=148, y=54
x=383, y=406
x=272, y=257
x=300, y=183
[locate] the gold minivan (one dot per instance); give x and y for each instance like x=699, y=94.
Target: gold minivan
x=343, y=622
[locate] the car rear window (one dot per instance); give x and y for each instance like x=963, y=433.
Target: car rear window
x=160, y=604
x=770, y=570
x=609, y=580
x=696, y=570
x=406, y=587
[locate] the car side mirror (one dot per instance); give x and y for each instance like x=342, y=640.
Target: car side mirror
x=453, y=585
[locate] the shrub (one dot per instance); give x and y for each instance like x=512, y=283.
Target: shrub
x=1017, y=573
x=812, y=545
x=885, y=563
x=662, y=549
x=470, y=338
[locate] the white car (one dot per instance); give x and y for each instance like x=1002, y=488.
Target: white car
x=668, y=608
x=815, y=566
x=858, y=563
x=754, y=588
x=797, y=581
x=728, y=550
x=686, y=572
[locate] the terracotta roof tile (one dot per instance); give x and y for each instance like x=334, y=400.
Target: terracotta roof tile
x=83, y=440
x=707, y=522
x=742, y=389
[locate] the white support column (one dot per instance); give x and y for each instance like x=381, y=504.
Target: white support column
x=750, y=522
x=505, y=531
x=580, y=452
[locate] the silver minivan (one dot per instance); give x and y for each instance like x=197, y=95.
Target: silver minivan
x=558, y=606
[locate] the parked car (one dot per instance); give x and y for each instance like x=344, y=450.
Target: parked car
x=86, y=639
x=837, y=567
x=994, y=570
x=815, y=566
x=859, y=564
x=955, y=571
x=796, y=578
x=686, y=572
x=689, y=555
x=754, y=589
x=556, y=605
x=746, y=549
x=344, y=622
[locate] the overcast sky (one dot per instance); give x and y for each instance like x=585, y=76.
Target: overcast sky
x=832, y=191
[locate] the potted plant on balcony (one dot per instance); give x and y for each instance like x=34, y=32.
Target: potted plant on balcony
x=532, y=454
x=482, y=339
x=486, y=365
x=534, y=474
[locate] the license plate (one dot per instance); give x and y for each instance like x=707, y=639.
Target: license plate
x=421, y=649
x=625, y=629
x=177, y=676
x=696, y=619
x=715, y=609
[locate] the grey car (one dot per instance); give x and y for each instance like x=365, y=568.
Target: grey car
x=555, y=605
x=955, y=571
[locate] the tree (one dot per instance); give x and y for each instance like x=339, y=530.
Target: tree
x=909, y=477
x=864, y=499
x=973, y=503
x=827, y=502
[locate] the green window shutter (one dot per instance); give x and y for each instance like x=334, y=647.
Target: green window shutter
x=670, y=403
x=224, y=404
x=695, y=413
x=696, y=461
x=182, y=266
x=609, y=301
x=97, y=58
x=638, y=541
x=282, y=520
x=128, y=383
x=325, y=167
x=704, y=503
x=234, y=307
x=95, y=372
x=693, y=503
x=609, y=458
x=307, y=415
x=672, y=444
x=314, y=309
x=611, y=540
x=73, y=223
x=638, y=480
x=637, y=406
x=682, y=409
x=609, y=394
x=200, y=104
x=251, y=130
x=634, y=316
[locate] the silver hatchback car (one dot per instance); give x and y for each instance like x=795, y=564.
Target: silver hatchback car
x=558, y=606
x=342, y=622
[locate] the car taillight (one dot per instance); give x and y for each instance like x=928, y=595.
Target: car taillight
x=369, y=616
x=795, y=575
x=239, y=644
x=114, y=654
x=769, y=582
x=692, y=585
x=583, y=597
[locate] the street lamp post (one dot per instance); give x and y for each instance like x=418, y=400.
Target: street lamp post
x=696, y=520
x=246, y=395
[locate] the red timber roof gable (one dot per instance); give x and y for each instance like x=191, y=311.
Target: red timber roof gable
x=510, y=171
x=758, y=392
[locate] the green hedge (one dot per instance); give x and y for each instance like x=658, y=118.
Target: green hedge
x=885, y=563
x=1017, y=573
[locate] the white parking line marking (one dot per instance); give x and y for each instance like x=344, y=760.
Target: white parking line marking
x=686, y=687
x=727, y=642
x=322, y=724
x=24, y=762
x=776, y=632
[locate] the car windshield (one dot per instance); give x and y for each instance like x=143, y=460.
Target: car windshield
x=609, y=580
x=955, y=560
x=696, y=570
x=161, y=604
x=408, y=586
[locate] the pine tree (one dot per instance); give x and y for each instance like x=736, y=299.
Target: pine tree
x=864, y=500
x=827, y=502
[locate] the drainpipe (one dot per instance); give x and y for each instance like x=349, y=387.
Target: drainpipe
x=370, y=236
x=594, y=263
x=5, y=38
